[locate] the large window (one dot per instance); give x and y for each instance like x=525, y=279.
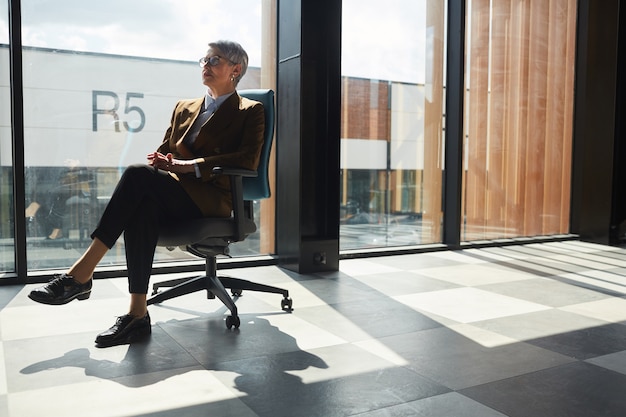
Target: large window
x=100, y=82
x=518, y=124
x=7, y=247
x=101, y=79
x=392, y=123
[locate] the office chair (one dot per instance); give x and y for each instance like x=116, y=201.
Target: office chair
x=210, y=237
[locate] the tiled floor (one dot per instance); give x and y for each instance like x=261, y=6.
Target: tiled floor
x=535, y=330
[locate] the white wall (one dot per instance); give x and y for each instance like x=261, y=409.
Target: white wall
x=59, y=106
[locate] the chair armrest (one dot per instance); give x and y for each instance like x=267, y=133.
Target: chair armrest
x=234, y=171
x=240, y=214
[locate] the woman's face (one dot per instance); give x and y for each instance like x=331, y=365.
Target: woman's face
x=218, y=71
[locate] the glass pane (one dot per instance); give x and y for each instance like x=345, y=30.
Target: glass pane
x=392, y=123
x=100, y=82
x=518, y=124
x=7, y=247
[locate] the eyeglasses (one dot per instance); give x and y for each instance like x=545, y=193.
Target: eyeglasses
x=212, y=60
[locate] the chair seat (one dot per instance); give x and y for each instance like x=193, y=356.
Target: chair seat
x=204, y=230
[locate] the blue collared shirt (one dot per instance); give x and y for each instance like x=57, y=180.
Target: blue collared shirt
x=210, y=106
x=214, y=103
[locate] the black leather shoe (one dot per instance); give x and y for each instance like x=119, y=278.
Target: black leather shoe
x=127, y=329
x=61, y=290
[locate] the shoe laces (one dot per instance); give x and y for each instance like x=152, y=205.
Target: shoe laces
x=123, y=320
x=61, y=281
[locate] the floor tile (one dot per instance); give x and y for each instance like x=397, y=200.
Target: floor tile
x=573, y=390
x=467, y=305
x=480, y=336
x=494, y=254
x=4, y=405
x=74, y=359
x=577, y=246
x=331, y=291
x=461, y=257
x=586, y=343
x=444, y=405
x=332, y=321
x=36, y=320
x=364, y=267
x=590, y=261
x=382, y=316
x=3, y=373
x=352, y=382
x=553, y=291
x=540, y=324
x=614, y=361
x=473, y=275
x=610, y=310
x=422, y=260
x=173, y=390
x=535, y=268
x=609, y=282
x=458, y=362
x=405, y=282
x=209, y=342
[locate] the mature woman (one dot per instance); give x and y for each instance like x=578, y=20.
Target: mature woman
x=220, y=129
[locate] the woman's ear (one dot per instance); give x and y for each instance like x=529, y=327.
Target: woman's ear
x=236, y=71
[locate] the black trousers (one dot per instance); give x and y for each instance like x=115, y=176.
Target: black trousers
x=143, y=199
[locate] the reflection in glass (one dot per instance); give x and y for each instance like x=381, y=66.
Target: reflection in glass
x=100, y=83
x=392, y=123
x=518, y=124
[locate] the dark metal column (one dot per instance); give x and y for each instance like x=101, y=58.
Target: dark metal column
x=594, y=119
x=308, y=101
x=455, y=88
x=618, y=217
x=17, y=135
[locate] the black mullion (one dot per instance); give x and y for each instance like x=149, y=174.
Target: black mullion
x=17, y=137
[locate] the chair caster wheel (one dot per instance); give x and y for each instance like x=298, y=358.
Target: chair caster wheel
x=232, y=321
x=286, y=304
x=236, y=293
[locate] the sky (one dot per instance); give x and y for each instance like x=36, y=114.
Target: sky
x=386, y=43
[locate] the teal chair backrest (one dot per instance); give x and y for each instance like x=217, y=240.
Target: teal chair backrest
x=257, y=188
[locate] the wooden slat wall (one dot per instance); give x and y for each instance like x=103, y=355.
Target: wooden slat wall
x=477, y=101
x=555, y=111
x=534, y=173
x=433, y=127
x=568, y=115
x=496, y=191
x=516, y=114
x=519, y=117
x=268, y=80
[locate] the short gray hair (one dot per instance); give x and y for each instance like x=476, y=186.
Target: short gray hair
x=235, y=53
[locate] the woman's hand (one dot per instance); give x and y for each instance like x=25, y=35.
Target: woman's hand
x=168, y=163
x=160, y=161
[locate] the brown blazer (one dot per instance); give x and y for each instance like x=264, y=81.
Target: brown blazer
x=232, y=137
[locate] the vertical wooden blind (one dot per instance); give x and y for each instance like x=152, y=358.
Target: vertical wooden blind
x=519, y=110
x=432, y=179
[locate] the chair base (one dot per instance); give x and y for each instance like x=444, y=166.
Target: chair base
x=216, y=287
